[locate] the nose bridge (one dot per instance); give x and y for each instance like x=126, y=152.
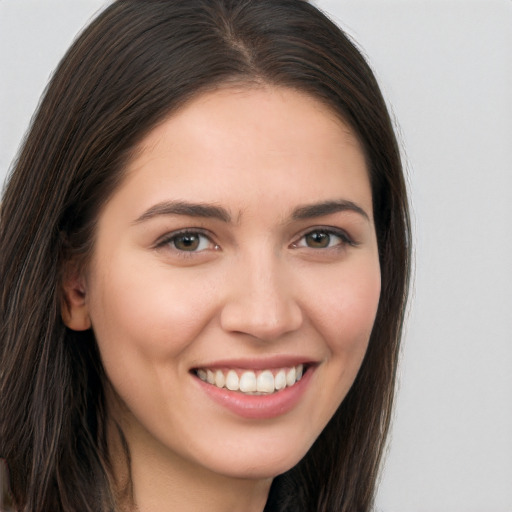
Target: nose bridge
x=261, y=301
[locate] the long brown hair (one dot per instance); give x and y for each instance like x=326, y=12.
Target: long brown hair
x=134, y=65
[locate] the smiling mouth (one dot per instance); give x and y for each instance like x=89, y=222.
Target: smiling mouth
x=264, y=382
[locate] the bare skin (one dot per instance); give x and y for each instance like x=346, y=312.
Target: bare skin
x=241, y=240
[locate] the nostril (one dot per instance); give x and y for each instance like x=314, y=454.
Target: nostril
x=264, y=324
x=261, y=300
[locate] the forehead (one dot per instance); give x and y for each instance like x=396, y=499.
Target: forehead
x=254, y=108
x=250, y=142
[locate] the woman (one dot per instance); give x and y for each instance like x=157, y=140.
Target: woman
x=204, y=263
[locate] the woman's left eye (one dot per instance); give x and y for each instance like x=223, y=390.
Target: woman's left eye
x=188, y=241
x=323, y=239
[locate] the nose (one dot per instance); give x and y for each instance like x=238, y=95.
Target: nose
x=261, y=301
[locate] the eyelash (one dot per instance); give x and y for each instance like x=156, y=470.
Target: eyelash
x=172, y=238
x=344, y=238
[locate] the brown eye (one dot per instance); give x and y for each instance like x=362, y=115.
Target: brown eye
x=318, y=239
x=187, y=242
x=324, y=239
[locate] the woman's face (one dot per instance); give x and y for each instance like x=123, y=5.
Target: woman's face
x=238, y=252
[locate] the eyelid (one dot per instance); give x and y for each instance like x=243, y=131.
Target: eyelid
x=346, y=239
x=167, y=239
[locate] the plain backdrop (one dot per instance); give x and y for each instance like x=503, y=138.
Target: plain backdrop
x=445, y=67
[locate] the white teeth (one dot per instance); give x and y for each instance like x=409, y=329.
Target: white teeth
x=265, y=382
x=248, y=382
x=232, y=381
x=220, y=380
x=291, y=377
x=280, y=380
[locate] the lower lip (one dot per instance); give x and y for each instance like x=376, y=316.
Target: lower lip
x=259, y=406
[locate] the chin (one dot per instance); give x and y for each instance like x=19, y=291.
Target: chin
x=260, y=464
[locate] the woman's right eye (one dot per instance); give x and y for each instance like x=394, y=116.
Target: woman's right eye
x=188, y=241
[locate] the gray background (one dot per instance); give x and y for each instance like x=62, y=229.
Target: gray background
x=446, y=70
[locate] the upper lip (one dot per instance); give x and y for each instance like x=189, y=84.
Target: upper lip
x=268, y=363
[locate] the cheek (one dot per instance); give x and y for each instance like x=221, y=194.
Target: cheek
x=342, y=312
x=345, y=312
x=148, y=311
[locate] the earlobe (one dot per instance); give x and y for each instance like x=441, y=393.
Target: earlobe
x=74, y=307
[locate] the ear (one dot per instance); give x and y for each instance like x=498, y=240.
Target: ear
x=74, y=307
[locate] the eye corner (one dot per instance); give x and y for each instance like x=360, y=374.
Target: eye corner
x=188, y=242
x=325, y=236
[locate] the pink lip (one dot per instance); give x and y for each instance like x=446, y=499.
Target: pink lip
x=258, y=406
x=259, y=364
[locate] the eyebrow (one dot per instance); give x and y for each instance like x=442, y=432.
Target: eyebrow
x=218, y=212
x=327, y=208
x=185, y=208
